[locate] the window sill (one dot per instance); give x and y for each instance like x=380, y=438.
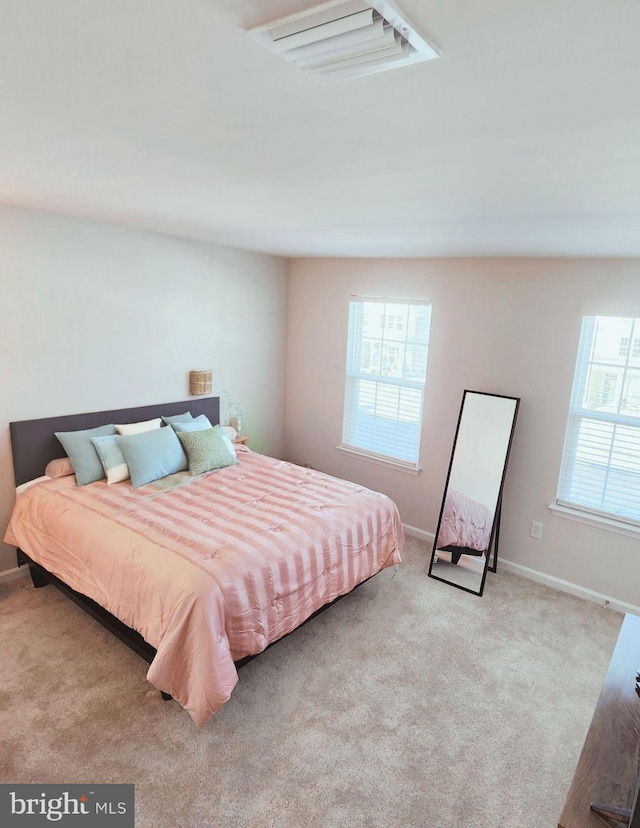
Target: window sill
x=591, y=519
x=398, y=465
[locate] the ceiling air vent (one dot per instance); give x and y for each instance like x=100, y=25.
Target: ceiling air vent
x=346, y=38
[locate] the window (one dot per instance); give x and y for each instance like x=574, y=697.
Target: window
x=601, y=461
x=624, y=346
x=385, y=379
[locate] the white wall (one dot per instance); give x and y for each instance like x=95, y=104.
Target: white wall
x=503, y=326
x=96, y=316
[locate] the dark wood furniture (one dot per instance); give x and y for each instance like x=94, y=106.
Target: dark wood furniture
x=608, y=769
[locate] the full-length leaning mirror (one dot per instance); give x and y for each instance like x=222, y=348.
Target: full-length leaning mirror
x=468, y=526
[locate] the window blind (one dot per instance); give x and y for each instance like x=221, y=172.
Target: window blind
x=600, y=470
x=387, y=350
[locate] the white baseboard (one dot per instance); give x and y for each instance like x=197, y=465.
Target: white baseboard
x=14, y=574
x=542, y=578
x=421, y=534
x=567, y=586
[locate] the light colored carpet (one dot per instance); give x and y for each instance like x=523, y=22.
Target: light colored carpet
x=408, y=703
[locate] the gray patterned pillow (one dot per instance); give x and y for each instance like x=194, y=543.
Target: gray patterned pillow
x=207, y=450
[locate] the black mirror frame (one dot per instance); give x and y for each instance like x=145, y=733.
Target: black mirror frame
x=493, y=546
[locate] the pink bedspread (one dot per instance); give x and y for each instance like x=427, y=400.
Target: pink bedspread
x=212, y=568
x=465, y=522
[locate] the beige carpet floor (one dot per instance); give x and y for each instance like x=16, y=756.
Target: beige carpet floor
x=408, y=703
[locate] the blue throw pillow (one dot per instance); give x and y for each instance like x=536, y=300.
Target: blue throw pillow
x=80, y=450
x=178, y=418
x=152, y=455
x=196, y=424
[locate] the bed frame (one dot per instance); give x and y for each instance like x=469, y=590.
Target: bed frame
x=34, y=444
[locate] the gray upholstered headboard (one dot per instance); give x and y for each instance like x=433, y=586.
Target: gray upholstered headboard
x=34, y=444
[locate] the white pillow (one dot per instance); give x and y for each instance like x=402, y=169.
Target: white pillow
x=138, y=428
x=112, y=458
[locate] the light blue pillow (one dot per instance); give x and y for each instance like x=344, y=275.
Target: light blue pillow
x=178, y=418
x=152, y=455
x=82, y=453
x=112, y=458
x=197, y=424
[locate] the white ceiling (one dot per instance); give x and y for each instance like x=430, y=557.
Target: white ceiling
x=522, y=139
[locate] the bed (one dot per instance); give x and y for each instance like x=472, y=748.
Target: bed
x=465, y=528
x=197, y=573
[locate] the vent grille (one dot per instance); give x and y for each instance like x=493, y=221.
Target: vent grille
x=346, y=39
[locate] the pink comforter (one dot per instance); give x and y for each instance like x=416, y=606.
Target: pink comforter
x=465, y=522
x=212, y=568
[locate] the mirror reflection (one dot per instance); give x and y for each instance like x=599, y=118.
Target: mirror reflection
x=467, y=530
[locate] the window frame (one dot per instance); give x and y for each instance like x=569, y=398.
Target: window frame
x=352, y=376
x=564, y=506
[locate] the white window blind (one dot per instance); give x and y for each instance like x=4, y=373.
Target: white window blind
x=387, y=351
x=601, y=460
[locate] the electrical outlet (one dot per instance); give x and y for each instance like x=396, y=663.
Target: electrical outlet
x=536, y=529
